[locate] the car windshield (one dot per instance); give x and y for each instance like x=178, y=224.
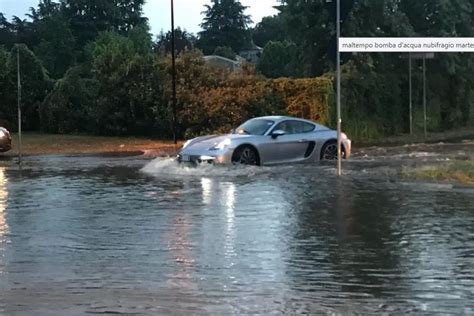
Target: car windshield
x=254, y=127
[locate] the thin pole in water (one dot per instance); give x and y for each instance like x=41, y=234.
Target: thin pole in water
x=410, y=93
x=19, y=103
x=424, y=96
x=338, y=66
x=173, y=71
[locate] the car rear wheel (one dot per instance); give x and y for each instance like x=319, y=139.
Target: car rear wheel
x=245, y=155
x=329, y=151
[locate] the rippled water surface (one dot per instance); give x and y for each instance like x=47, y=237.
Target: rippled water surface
x=102, y=234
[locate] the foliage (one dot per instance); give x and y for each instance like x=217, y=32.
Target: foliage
x=226, y=52
x=225, y=24
x=7, y=37
x=459, y=171
x=279, y=59
x=35, y=84
x=115, y=94
x=375, y=86
x=4, y=55
x=307, y=98
x=112, y=79
x=56, y=47
x=182, y=39
x=126, y=92
x=271, y=28
x=212, y=100
x=194, y=77
x=235, y=100
x=89, y=18
x=69, y=107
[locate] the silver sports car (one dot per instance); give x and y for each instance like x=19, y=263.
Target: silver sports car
x=265, y=141
x=5, y=140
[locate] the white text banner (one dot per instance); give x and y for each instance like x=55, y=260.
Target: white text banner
x=406, y=44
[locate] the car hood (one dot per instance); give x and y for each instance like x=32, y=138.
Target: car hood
x=204, y=143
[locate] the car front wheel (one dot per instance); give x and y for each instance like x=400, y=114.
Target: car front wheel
x=245, y=155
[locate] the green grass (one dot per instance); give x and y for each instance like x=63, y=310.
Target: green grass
x=459, y=171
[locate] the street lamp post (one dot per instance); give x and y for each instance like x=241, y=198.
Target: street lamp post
x=424, y=96
x=19, y=103
x=173, y=73
x=410, y=88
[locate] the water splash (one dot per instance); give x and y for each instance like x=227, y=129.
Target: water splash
x=169, y=167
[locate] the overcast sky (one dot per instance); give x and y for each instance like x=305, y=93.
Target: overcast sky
x=187, y=12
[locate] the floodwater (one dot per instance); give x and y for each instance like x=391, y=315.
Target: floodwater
x=137, y=235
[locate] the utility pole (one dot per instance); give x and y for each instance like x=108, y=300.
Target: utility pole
x=19, y=103
x=338, y=61
x=173, y=73
x=410, y=87
x=424, y=96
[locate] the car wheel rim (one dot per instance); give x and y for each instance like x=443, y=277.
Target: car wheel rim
x=247, y=157
x=330, y=152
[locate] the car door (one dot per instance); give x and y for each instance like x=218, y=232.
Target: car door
x=289, y=147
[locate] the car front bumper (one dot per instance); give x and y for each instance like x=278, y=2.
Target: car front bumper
x=347, y=147
x=217, y=157
x=5, y=144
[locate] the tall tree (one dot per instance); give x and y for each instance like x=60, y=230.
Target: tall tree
x=451, y=75
x=280, y=59
x=271, y=28
x=7, y=37
x=128, y=80
x=89, y=18
x=4, y=56
x=225, y=24
x=56, y=43
x=35, y=83
x=183, y=41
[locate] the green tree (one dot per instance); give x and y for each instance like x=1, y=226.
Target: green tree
x=35, y=85
x=7, y=37
x=311, y=29
x=89, y=18
x=4, y=56
x=70, y=106
x=450, y=75
x=225, y=24
x=129, y=84
x=24, y=31
x=225, y=51
x=194, y=77
x=271, y=28
x=183, y=41
x=56, y=46
x=280, y=59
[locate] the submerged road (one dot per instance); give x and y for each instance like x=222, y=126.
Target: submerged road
x=133, y=235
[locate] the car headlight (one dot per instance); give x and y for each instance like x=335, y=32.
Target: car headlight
x=226, y=142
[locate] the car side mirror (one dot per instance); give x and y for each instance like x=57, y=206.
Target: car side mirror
x=278, y=133
x=232, y=131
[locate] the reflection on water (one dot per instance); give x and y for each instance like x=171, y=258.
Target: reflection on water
x=3, y=204
x=105, y=235
x=3, y=220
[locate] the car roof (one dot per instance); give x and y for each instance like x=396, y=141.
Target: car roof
x=277, y=118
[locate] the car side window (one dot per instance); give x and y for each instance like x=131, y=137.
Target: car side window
x=286, y=126
x=295, y=127
x=304, y=127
